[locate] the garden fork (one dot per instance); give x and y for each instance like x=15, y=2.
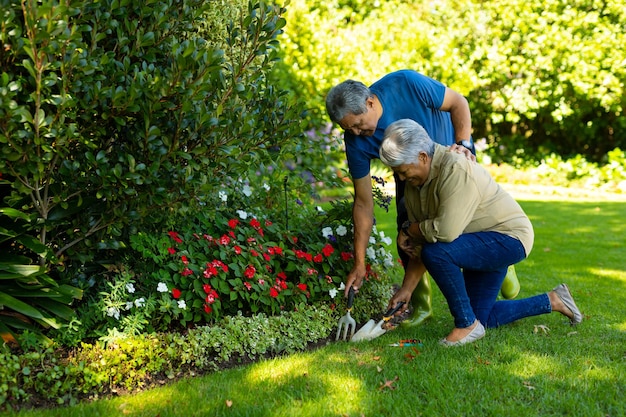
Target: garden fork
x=347, y=323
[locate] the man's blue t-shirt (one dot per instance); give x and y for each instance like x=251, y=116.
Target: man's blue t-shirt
x=404, y=94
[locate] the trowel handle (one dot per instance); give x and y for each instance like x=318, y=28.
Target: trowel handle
x=392, y=311
x=350, y=297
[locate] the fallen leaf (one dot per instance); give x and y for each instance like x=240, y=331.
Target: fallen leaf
x=376, y=358
x=572, y=333
x=483, y=361
x=527, y=385
x=229, y=403
x=541, y=327
x=388, y=384
x=412, y=355
x=379, y=369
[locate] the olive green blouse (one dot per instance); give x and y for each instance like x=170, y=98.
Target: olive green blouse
x=459, y=196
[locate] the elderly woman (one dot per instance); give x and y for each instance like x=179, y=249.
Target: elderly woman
x=465, y=230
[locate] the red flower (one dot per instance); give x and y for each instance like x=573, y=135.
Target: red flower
x=207, y=288
x=171, y=251
x=255, y=223
x=175, y=236
x=250, y=271
x=278, y=250
x=328, y=250
x=253, y=252
x=268, y=223
x=282, y=275
x=232, y=223
x=176, y=293
x=318, y=258
x=346, y=256
x=237, y=250
x=302, y=287
x=311, y=271
x=210, y=271
x=266, y=257
x=273, y=292
x=207, y=309
x=184, y=259
x=186, y=272
x=224, y=240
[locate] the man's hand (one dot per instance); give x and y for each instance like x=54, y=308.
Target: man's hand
x=355, y=279
x=403, y=295
x=462, y=149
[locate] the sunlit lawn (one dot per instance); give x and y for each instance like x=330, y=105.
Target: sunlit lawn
x=539, y=366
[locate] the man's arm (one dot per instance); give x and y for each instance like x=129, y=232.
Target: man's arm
x=412, y=276
x=459, y=110
x=363, y=217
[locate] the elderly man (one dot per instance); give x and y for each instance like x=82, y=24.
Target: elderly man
x=364, y=113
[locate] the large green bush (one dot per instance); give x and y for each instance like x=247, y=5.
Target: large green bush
x=540, y=76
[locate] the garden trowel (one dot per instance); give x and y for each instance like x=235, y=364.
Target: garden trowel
x=371, y=329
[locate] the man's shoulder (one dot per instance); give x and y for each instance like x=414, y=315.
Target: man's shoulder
x=408, y=75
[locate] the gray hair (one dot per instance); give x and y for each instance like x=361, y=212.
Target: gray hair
x=349, y=97
x=404, y=140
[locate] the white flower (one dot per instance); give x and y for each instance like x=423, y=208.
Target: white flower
x=113, y=312
x=342, y=286
x=267, y=187
x=319, y=209
x=130, y=288
x=327, y=232
x=162, y=287
x=140, y=302
x=372, y=240
x=332, y=292
x=371, y=253
x=129, y=305
x=247, y=191
x=386, y=240
x=182, y=305
x=223, y=196
x=242, y=214
x=341, y=230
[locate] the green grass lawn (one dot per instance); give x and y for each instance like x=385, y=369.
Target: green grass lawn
x=539, y=366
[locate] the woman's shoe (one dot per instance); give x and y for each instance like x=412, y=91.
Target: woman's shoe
x=562, y=291
x=477, y=333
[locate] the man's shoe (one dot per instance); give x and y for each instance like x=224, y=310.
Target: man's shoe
x=510, y=286
x=418, y=317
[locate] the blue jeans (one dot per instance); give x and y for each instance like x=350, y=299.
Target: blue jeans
x=470, y=270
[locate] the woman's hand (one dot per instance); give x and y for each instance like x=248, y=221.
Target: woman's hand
x=408, y=245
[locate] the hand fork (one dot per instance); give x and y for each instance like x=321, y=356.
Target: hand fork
x=347, y=323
